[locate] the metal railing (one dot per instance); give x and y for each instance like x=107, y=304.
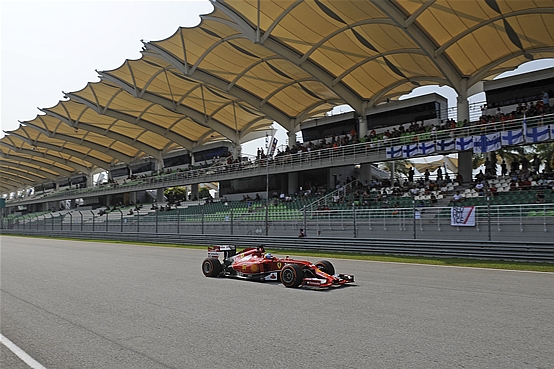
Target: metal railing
x=531, y=222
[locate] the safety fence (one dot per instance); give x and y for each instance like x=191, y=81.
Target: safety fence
x=520, y=223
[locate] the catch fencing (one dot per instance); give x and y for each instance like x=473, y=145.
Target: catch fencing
x=527, y=229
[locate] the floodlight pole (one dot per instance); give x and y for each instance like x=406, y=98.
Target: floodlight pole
x=489, y=211
x=267, y=185
x=414, y=214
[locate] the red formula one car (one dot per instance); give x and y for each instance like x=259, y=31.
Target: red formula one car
x=255, y=264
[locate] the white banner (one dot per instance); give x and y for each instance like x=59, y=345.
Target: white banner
x=462, y=216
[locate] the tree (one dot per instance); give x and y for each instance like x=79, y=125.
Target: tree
x=546, y=154
x=477, y=160
x=174, y=194
x=401, y=166
x=204, y=193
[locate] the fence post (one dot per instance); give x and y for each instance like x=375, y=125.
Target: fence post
x=70, y=221
x=52, y=215
x=157, y=211
x=93, y=220
x=178, y=221
x=354, y=216
x=81, y=215
x=202, y=209
x=489, y=212
x=414, y=216
x=232, y=225
x=121, y=220
x=107, y=220
x=138, y=221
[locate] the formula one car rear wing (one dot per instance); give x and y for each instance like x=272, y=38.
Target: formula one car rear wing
x=216, y=250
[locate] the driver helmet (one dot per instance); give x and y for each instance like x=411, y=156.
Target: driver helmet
x=268, y=256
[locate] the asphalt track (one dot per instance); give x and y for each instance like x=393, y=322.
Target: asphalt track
x=71, y=304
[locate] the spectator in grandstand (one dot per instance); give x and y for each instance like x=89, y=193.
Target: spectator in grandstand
x=426, y=175
x=411, y=173
x=457, y=198
x=539, y=197
x=536, y=163
x=459, y=178
x=524, y=163
x=492, y=189
x=504, y=168
x=439, y=174
x=396, y=207
x=524, y=184
x=515, y=166
x=480, y=188
x=545, y=99
x=433, y=199
x=302, y=233
x=480, y=176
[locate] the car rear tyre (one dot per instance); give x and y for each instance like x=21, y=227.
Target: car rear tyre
x=211, y=267
x=292, y=275
x=326, y=267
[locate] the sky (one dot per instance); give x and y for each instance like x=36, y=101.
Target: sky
x=48, y=47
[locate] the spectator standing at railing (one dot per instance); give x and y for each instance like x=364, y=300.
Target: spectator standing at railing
x=539, y=197
x=426, y=175
x=504, y=168
x=411, y=173
x=524, y=163
x=536, y=163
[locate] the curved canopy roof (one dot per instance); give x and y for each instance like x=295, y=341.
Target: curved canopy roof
x=251, y=62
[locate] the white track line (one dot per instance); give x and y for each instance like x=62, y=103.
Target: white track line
x=20, y=353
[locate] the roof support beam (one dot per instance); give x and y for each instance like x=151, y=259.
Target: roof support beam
x=373, y=57
x=49, y=171
x=18, y=165
x=62, y=172
x=170, y=105
x=418, y=12
x=377, y=98
x=349, y=96
x=488, y=70
x=69, y=163
x=269, y=110
x=451, y=74
x=91, y=145
x=91, y=128
x=21, y=173
x=470, y=30
x=180, y=140
x=17, y=179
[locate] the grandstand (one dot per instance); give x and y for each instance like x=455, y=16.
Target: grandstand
x=186, y=129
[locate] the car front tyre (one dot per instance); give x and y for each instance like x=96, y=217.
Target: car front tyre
x=325, y=266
